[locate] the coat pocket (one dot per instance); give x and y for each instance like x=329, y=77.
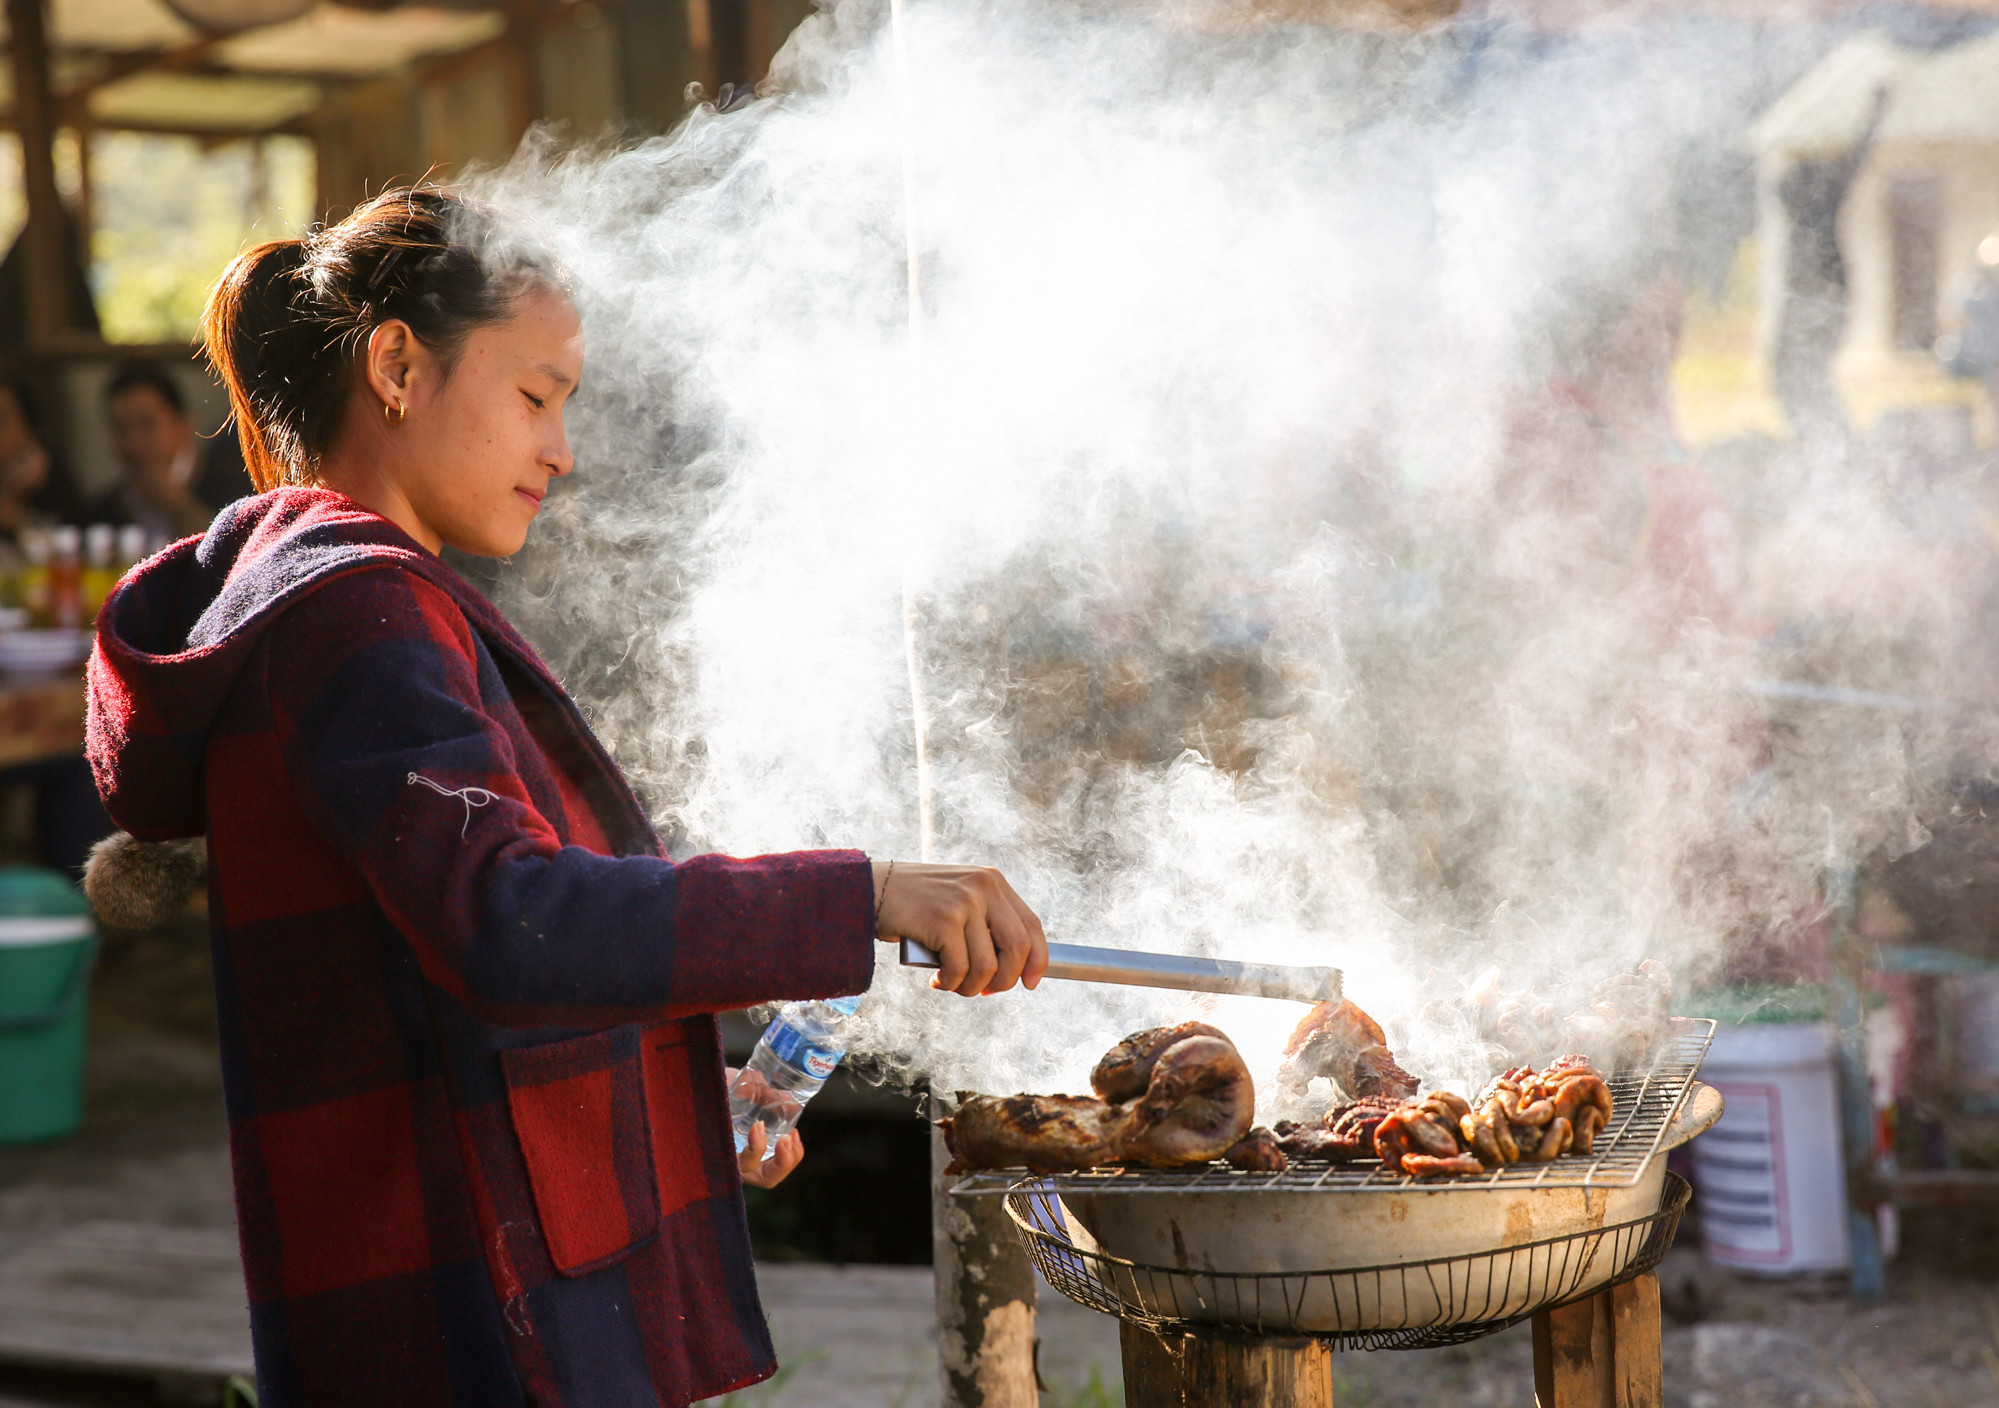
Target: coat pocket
x=580, y=1112
x=693, y=1147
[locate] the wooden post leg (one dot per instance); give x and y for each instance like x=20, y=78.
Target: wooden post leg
x=1224, y=1371
x=1151, y=1368
x=985, y=1297
x=1602, y=1352
x=1634, y=1320
x=1572, y=1362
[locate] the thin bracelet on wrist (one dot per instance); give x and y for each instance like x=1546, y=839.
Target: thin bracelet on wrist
x=883, y=898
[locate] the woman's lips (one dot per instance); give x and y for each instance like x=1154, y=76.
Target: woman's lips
x=532, y=497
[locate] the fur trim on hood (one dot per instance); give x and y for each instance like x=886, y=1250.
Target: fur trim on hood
x=134, y=884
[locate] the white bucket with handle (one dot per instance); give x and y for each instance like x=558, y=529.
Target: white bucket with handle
x=1770, y=1177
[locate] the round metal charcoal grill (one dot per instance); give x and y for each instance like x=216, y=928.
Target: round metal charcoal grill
x=1466, y=1297
x=1353, y=1255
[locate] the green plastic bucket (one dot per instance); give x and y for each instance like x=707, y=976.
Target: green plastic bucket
x=47, y=943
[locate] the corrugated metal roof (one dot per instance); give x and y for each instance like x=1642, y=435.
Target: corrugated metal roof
x=335, y=39
x=211, y=102
x=115, y=26
x=253, y=80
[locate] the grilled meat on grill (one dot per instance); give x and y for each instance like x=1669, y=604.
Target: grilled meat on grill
x=1258, y=1152
x=1046, y=1133
x=1127, y=1067
x=1342, y=1043
x=1198, y=1102
x=1429, y=1166
x=1343, y=1134
x=1194, y=1103
x=1520, y=1117
x=1421, y=1137
x=1578, y=1095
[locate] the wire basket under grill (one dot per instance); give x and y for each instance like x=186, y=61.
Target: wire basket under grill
x=1413, y=1305
x=1643, y=1104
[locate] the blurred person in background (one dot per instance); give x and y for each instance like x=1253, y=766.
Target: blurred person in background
x=174, y=480
x=36, y=490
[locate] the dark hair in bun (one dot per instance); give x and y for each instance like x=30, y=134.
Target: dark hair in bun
x=288, y=318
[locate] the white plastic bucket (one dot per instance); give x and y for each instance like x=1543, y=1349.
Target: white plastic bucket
x=1770, y=1178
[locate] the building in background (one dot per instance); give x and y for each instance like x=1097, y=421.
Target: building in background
x=1924, y=196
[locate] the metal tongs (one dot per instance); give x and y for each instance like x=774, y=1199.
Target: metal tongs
x=1084, y=964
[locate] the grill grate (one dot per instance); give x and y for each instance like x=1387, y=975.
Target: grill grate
x=1643, y=1104
x=1416, y=1305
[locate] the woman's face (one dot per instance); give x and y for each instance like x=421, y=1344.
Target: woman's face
x=476, y=450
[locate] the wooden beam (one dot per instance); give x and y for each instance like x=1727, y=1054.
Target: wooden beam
x=291, y=126
x=86, y=187
x=1944, y=1188
x=523, y=73
x=46, y=266
x=73, y=101
x=178, y=58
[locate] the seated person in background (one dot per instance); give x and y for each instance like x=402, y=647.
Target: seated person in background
x=174, y=480
x=35, y=490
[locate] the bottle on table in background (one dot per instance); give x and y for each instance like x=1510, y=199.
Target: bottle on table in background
x=11, y=562
x=100, y=566
x=794, y=1059
x=133, y=547
x=34, y=578
x=66, y=578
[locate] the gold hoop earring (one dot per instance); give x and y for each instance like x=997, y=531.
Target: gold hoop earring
x=394, y=414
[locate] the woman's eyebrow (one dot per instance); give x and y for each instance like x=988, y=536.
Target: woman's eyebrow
x=553, y=373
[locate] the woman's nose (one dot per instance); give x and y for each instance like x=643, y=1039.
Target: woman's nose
x=558, y=459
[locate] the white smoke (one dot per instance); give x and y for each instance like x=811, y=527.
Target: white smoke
x=1260, y=616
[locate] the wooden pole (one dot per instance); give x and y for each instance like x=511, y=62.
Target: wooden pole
x=86, y=186
x=1846, y=984
x=985, y=1294
x=522, y=68
x=46, y=264
x=729, y=43
x=1224, y=1371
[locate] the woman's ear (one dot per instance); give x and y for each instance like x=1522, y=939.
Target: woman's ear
x=396, y=363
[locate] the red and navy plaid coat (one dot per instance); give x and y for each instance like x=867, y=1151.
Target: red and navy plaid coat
x=481, y=1145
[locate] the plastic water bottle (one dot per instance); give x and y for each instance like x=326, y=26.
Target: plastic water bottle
x=795, y=1057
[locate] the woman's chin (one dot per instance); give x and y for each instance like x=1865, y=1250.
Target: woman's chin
x=497, y=542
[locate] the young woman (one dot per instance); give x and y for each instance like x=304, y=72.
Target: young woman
x=476, y=1097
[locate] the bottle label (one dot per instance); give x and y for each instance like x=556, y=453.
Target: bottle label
x=790, y=1046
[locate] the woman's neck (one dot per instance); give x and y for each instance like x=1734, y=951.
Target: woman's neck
x=364, y=479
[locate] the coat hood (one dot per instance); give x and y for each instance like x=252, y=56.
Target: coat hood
x=178, y=628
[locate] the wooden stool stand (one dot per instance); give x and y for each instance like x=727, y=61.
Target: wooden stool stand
x=1599, y=1353
x=1224, y=1371
x=1602, y=1352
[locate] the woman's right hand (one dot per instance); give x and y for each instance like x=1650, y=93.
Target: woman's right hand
x=984, y=935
